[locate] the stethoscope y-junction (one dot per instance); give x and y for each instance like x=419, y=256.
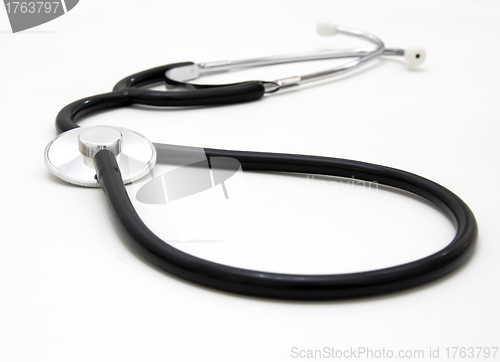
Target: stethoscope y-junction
x=110, y=157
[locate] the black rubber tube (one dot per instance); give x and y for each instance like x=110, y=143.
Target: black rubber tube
x=289, y=286
x=251, y=282
x=127, y=92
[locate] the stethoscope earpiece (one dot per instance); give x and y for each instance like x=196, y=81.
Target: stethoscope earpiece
x=326, y=27
x=415, y=55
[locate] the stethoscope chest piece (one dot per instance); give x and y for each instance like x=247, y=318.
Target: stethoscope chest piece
x=70, y=156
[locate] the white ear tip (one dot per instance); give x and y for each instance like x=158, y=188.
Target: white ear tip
x=326, y=27
x=415, y=55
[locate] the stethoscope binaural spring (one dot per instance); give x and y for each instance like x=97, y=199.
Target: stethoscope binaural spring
x=96, y=157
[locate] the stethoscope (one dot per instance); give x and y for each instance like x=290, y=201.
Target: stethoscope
x=110, y=157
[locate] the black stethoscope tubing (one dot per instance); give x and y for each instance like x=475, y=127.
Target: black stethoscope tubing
x=128, y=92
x=252, y=282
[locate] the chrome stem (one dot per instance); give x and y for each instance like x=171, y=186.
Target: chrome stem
x=363, y=55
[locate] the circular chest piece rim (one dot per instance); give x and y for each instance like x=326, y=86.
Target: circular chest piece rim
x=69, y=156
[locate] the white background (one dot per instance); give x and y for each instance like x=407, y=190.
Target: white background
x=72, y=290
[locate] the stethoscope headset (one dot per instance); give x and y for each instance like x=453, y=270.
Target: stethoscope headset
x=95, y=157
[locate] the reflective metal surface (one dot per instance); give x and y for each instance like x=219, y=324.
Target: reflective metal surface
x=95, y=139
x=65, y=156
x=363, y=55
